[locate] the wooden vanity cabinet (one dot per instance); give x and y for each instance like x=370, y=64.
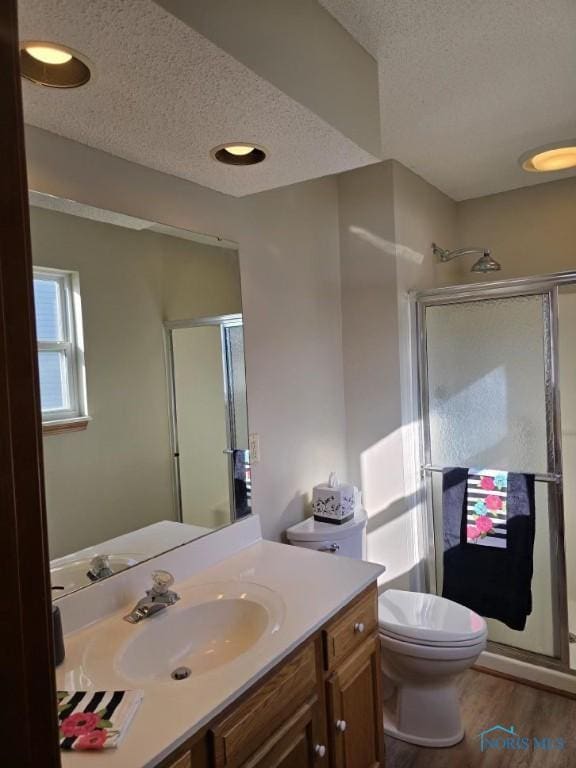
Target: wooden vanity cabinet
x=321, y=707
x=355, y=710
x=354, y=697
x=297, y=743
x=185, y=761
x=284, y=706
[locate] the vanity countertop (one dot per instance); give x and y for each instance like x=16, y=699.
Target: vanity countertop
x=312, y=587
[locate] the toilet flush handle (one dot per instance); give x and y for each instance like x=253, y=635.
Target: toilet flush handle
x=330, y=548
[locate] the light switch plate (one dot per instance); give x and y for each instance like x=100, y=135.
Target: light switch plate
x=254, y=447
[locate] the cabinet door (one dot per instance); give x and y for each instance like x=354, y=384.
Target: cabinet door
x=183, y=762
x=299, y=743
x=355, y=710
x=264, y=712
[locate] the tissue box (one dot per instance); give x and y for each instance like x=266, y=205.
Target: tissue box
x=334, y=504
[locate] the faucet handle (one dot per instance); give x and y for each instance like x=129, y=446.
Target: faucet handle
x=99, y=567
x=100, y=561
x=161, y=582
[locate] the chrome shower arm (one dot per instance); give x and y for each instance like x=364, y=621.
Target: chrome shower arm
x=446, y=255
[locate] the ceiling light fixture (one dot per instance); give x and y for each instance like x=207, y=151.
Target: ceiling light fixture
x=53, y=65
x=238, y=153
x=48, y=54
x=558, y=156
x=239, y=149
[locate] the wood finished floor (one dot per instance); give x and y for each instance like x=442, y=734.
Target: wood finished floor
x=486, y=701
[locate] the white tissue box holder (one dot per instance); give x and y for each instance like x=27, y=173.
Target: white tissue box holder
x=334, y=505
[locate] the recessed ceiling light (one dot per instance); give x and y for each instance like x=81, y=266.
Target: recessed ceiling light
x=551, y=157
x=238, y=153
x=239, y=149
x=48, y=54
x=53, y=65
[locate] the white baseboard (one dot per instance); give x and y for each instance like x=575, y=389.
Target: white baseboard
x=529, y=673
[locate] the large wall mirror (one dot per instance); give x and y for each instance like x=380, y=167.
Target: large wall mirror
x=142, y=383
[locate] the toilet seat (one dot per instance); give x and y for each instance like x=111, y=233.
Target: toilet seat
x=428, y=620
x=431, y=643
x=432, y=653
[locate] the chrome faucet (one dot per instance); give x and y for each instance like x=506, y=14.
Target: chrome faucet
x=157, y=599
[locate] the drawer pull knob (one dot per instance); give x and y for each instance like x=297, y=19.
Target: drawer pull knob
x=341, y=725
x=320, y=750
x=359, y=627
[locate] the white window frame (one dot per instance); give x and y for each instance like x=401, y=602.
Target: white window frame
x=72, y=345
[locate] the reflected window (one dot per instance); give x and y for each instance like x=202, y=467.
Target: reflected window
x=60, y=347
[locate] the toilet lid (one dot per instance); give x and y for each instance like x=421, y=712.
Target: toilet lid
x=314, y=530
x=427, y=619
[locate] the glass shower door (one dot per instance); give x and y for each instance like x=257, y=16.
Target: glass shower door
x=207, y=383
x=488, y=400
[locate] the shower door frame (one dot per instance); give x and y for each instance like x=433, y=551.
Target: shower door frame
x=223, y=322
x=547, y=287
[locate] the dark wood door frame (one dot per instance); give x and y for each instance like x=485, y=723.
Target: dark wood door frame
x=29, y=737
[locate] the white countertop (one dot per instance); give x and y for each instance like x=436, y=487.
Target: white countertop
x=145, y=542
x=313, y=587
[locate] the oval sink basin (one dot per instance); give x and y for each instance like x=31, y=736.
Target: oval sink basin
x=69, y=575
x=208, y=628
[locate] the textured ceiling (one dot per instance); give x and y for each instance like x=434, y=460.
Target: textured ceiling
x=467, y=86
x=163, y=96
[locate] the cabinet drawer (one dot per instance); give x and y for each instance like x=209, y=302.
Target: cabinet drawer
x=183, y=762
x=349, y=631
x=239, y=734
x=297, y=742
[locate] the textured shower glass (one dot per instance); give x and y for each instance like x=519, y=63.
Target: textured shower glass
x=567, y=349
x=487, y=384
x=237, y=385
x=487, y=408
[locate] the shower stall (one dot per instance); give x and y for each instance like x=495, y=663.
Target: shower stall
x=209, y=420
x=496, y=388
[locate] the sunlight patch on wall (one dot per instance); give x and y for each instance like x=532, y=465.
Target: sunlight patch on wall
x=387, y=246
x=382, y=473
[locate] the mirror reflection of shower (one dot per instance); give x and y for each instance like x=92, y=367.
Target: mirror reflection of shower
x=212, y=474
x=484, y=264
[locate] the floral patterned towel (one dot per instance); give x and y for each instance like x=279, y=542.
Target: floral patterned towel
x=487, y=492
x=95, y=719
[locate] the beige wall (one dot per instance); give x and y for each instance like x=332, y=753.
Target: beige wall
x=289, y=260
x=116, y=475
x=199, y=280
x=324, y=267
x=531, y=231
x=389, y=217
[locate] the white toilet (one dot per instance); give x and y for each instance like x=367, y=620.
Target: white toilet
x=426, y=640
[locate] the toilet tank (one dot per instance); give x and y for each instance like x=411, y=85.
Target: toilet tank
x=348, y=539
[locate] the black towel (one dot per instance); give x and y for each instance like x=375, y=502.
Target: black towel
x=241, y=483
x=493, y=582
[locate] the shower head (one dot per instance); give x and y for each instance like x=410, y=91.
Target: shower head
x=484, y=264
